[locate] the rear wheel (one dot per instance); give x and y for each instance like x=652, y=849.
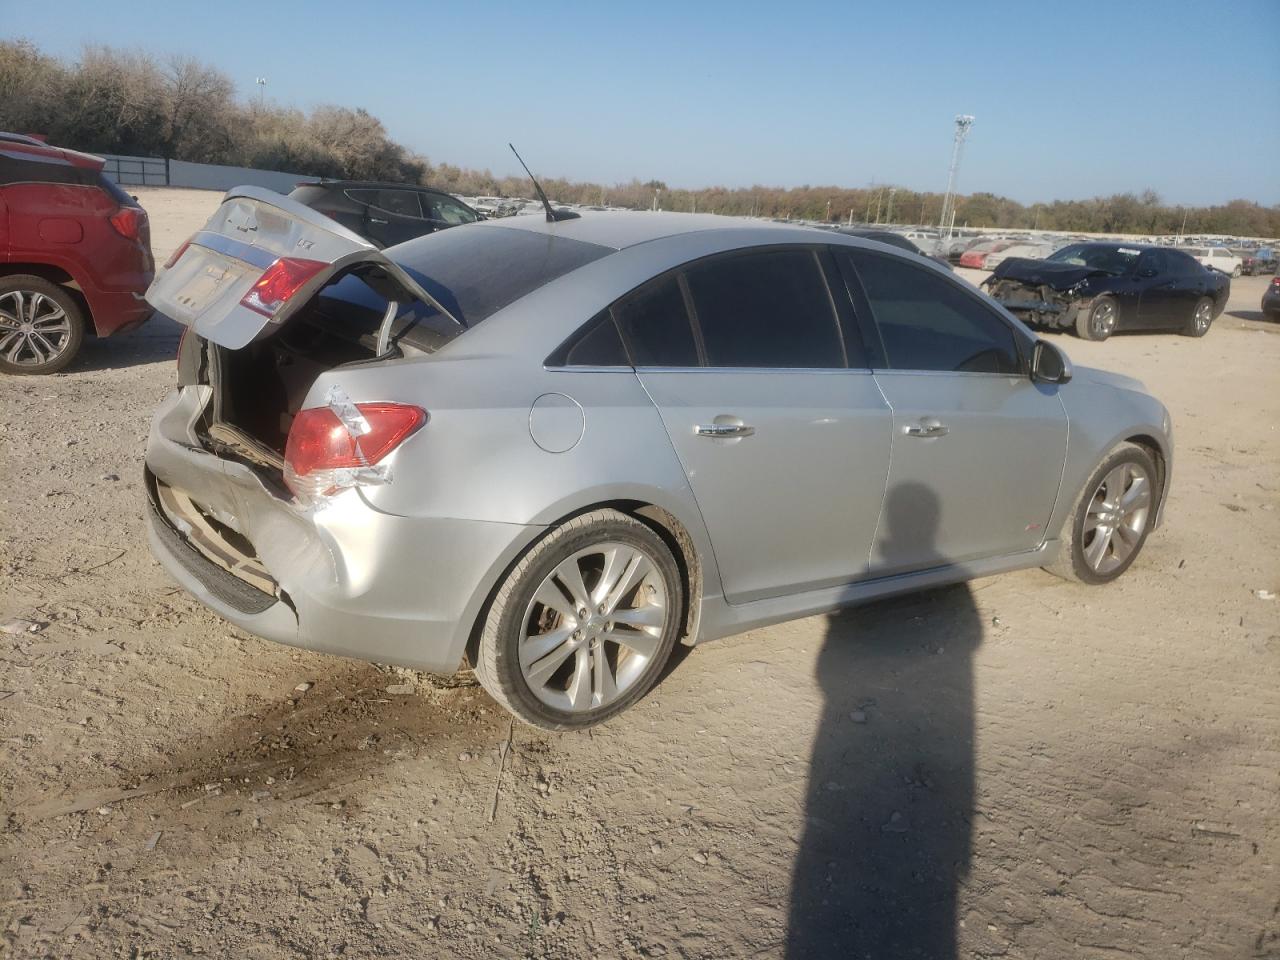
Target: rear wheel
x=581, y=627
x=41, y=325
x=1100, y=320
x=1201, y=318
x=1235, y=273
x=1112, y=518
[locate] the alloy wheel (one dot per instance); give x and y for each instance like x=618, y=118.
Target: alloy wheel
x=34, y=329
x=1103, y=319
x=1202, y=317
x=593, y=627
x=1117, y=517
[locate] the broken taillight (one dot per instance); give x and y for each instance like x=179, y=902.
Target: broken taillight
x=177, y=254
x=128, y=222
x=340, y=446
x=279, y=282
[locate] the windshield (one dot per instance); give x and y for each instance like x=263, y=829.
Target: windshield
x=1116, y=260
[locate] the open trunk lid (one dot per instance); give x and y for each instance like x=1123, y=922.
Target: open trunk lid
x=260, y=258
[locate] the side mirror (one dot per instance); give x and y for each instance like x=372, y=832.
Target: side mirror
x=1049, y=364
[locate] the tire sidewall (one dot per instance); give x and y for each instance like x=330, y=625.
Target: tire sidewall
x=1125, y=453
x=75, y=318
x=505, y=632
x=1084, y=325
x=1192, y=329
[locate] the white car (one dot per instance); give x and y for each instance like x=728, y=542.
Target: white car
x=1217, y=258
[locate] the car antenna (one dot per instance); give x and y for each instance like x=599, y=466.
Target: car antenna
x=552, y=215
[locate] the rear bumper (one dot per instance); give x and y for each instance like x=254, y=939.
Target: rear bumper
x=353, y=581
x=117, y=311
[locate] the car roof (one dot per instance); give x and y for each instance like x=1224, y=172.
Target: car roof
x=627, y=228
x=370, y=185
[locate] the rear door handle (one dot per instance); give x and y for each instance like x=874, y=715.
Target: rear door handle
x=723, y=430
x=926, y=429
x=376, y=220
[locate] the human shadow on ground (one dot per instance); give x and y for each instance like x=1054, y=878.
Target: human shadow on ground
x=891, y=784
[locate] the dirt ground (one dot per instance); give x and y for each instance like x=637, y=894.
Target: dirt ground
x=1020, y=767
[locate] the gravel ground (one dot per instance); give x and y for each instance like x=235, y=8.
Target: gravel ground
x=1019, y=767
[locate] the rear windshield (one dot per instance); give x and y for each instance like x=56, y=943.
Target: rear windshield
x=476, y=270
x=113, y=190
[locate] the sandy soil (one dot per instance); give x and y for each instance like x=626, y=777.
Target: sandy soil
x=1020, y=767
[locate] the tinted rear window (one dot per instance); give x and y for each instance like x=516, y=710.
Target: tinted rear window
x=475, y=271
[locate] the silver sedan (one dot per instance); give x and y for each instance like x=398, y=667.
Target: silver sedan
x=553, y=450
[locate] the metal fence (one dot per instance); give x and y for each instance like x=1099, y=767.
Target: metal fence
x=137, y=171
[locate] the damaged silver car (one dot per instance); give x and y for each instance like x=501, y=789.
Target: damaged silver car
x=553, y=449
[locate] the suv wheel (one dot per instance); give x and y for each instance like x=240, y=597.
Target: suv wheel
x=583, y=624
x=1112, y=518
x=41, y=325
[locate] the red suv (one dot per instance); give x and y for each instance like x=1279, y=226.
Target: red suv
x=75, y=251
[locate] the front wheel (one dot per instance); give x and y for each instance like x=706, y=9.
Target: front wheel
x=1235, y=273
x=1201, y=318
x=582, y=625
x=1112, y=518
x=41, y=325
x=1099, y=322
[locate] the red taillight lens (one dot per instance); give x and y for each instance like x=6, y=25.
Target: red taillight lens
x=280, y=282
x=177, y=254
x=323, y=453
x=128, y=222
x=1275, y=281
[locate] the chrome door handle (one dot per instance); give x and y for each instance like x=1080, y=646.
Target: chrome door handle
x=723, y=430
x=376, y=220
x=926, y=429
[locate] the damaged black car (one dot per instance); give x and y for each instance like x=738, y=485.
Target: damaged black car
x=1099, y=288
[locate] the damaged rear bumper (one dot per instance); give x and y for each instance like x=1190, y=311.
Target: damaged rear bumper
x=345, y=579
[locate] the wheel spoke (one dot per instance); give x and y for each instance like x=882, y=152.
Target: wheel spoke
x=20, y=341
x=603, y=686
x=550, y=596
x=1123, y=542
x=542, y=671
x=7, y=339
x=635, y=571
x=569, y=573
x=648, y=617
x=1115, y=483
x=580, y=683
x=640, y=642
x=38, y=340
x=1096, y=550
x=1137, y=496
x=535, y=648
x=615, y=562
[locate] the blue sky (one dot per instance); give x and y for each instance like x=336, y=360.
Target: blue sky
x=1072, y=98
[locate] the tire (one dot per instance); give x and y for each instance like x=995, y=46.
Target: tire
x=1079, y=559
x=1235, y=273
x=41, y=325
x=1201, y=319
x=1099, y=322
x=581, y=667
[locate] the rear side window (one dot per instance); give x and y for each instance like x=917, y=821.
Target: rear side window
x=597, y=344
x=475, y=273
x=655, y=325
x=446, y=209
x=928, y=323
x=768, y=309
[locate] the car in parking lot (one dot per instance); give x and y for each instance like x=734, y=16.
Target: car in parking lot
x=898, y=240
x=385, y=213
x=554, y=449
x=1099, y=288
x=1271, y=299
x=1258, y=261
x=75, y=255
x=1221, y=259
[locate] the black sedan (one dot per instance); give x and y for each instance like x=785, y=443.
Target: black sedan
x=1099, y=288
x=386, y=213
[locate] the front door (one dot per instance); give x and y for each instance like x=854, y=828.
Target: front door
x=781, y=429
x=978, y=449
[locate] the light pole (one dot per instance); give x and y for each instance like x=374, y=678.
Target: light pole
x=262, y=89
x=888, y=216
x=963, y=123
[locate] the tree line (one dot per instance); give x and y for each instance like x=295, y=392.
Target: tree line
x=127, y=102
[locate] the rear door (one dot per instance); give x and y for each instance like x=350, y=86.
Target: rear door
x=780, y=428
x=1161, y=293
x=978, y=449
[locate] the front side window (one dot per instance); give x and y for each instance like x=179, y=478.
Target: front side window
x=768, y=309
x=1152, y=263
x=447, y=210
x=655, y=325
x=928, y=322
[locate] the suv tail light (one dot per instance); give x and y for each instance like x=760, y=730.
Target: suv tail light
x=128, y=222
x=279, y=282
x=340, y=446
